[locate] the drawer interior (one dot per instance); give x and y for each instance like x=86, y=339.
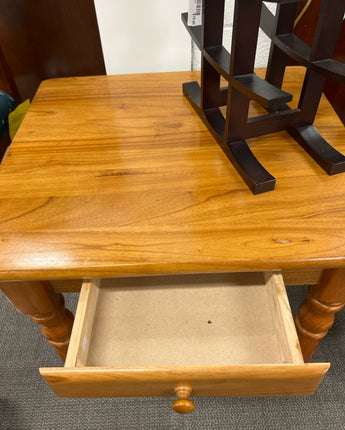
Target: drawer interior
x=184, y=320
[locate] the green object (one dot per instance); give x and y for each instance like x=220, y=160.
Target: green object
x=7, y=105
x=16, y=117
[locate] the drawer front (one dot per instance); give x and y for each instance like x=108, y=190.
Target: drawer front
x=246, y=380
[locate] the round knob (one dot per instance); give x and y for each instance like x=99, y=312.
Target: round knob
x=183, y=405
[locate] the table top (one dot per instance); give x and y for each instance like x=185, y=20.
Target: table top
x=117, y=175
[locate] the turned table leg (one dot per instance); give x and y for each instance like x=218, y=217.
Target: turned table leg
x=316, y=314
x=47, y=308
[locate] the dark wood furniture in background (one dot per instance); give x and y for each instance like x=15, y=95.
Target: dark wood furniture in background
x=47, y=39
x=305, y=29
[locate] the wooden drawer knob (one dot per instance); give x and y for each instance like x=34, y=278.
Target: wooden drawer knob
x=183, y=405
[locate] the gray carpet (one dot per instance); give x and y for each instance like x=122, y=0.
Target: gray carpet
x=26, y=402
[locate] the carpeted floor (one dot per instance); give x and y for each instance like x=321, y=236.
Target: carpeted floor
x=26, y=402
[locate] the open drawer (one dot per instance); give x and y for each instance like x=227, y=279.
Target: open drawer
x=209, y=335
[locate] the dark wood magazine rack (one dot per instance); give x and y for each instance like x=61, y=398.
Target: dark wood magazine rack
x=232, y=130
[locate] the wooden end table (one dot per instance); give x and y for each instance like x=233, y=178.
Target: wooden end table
x=116, y=176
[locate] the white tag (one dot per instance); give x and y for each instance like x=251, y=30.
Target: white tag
x=194, y=12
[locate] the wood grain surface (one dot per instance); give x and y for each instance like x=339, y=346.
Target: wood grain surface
x=116, y=175
x=257, y=380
